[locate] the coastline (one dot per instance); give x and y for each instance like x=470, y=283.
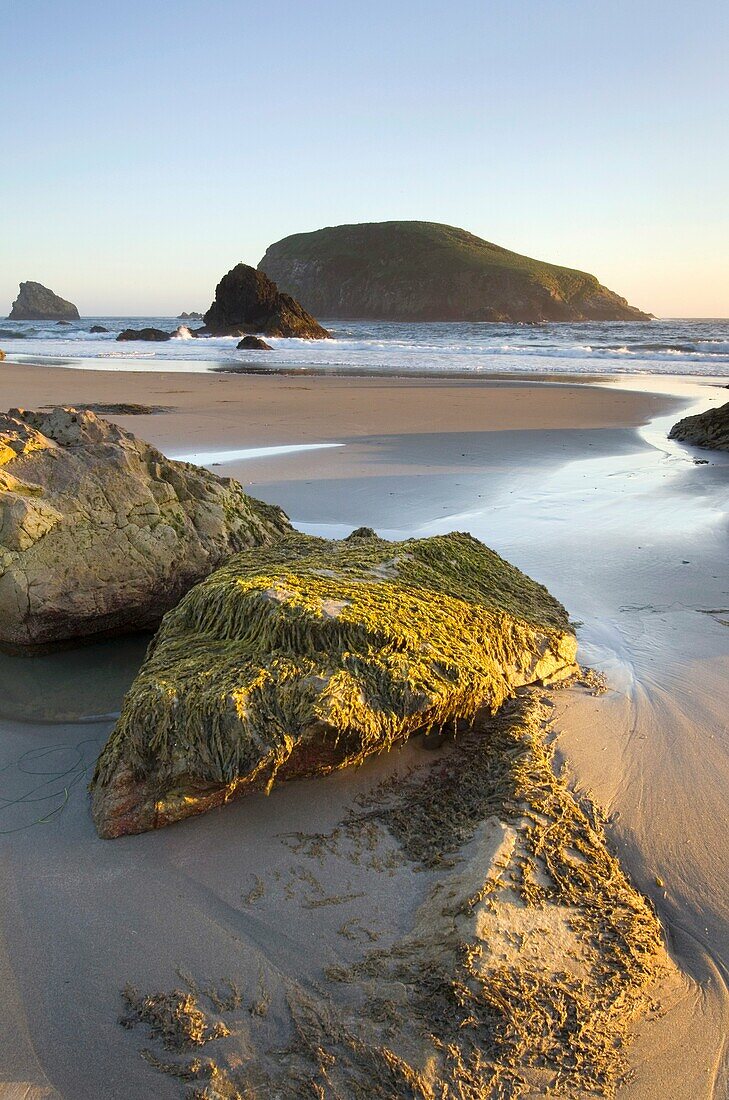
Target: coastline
x=512, y=461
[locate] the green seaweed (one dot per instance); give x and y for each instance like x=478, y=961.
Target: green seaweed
x=347, y=647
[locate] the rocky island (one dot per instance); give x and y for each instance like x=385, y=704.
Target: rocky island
x=248, y=302
x=36, y=302
x=424, y=271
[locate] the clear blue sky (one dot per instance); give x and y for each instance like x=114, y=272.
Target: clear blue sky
x=151, y=144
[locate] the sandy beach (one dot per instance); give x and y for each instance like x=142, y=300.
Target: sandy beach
x=574, y=482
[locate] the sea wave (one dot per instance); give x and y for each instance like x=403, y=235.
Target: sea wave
x=698, y=347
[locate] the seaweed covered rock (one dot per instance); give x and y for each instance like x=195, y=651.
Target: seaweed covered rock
x=311, y=655
x=247, y=301
x=100, y=533
x=706, y=429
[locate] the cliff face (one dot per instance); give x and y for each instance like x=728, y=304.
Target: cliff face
x=423, y=271
x=37, y=303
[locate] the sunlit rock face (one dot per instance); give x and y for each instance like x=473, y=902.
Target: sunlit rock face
x=303, y=657
x=100, y=533
x=706, y=429
x=36, y=302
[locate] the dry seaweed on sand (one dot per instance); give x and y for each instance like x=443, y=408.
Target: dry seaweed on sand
x=524, y=967
x=521, y=976
x=176, y=1018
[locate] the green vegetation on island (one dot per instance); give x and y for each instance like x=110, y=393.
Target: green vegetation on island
x=424, y=271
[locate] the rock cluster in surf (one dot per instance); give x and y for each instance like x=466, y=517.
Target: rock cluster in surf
x=154, y=335
x=308, y=655
x=36, y=302
x=706, y=429
x=100, y=533
x=247, y=301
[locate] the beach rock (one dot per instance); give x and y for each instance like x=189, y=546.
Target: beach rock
x=98, y=328
x=100, y=533
x=253, y=343
x=37, y=303
x=154, y=334
x=300, y=658
x=425, y=271
x=247, y=301
x=706, y=429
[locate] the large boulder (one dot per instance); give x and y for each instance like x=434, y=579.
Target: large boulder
x=37, y=303
x=247, y=301
x=311, y=655
x=706, y=429
x=156, y=335
x=100, y=533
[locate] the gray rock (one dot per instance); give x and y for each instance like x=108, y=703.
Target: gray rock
x=100, y=533
x=37, y=303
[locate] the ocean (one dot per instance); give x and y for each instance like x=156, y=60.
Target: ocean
x=687, y=347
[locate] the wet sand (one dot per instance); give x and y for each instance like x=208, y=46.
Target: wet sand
x=572, y=482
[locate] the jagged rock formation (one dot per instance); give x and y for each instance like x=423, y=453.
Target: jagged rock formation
x=194, y=316
x=706, y=429
x=311, y=655
x=156, y=335
x=100, y=533
x=247, y=301
x=37, y=303
x=423, y=271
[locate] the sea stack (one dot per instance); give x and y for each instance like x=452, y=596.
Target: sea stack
x=424, y=271
x=247, y=301
x=36, y=302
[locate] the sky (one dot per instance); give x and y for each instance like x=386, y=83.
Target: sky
x=149, y=145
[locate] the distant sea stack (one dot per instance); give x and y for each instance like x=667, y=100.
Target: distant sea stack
x=247, y=301
x=424, y=271
x=37, y=303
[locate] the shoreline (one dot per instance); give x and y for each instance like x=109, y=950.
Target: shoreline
x=515, y=462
